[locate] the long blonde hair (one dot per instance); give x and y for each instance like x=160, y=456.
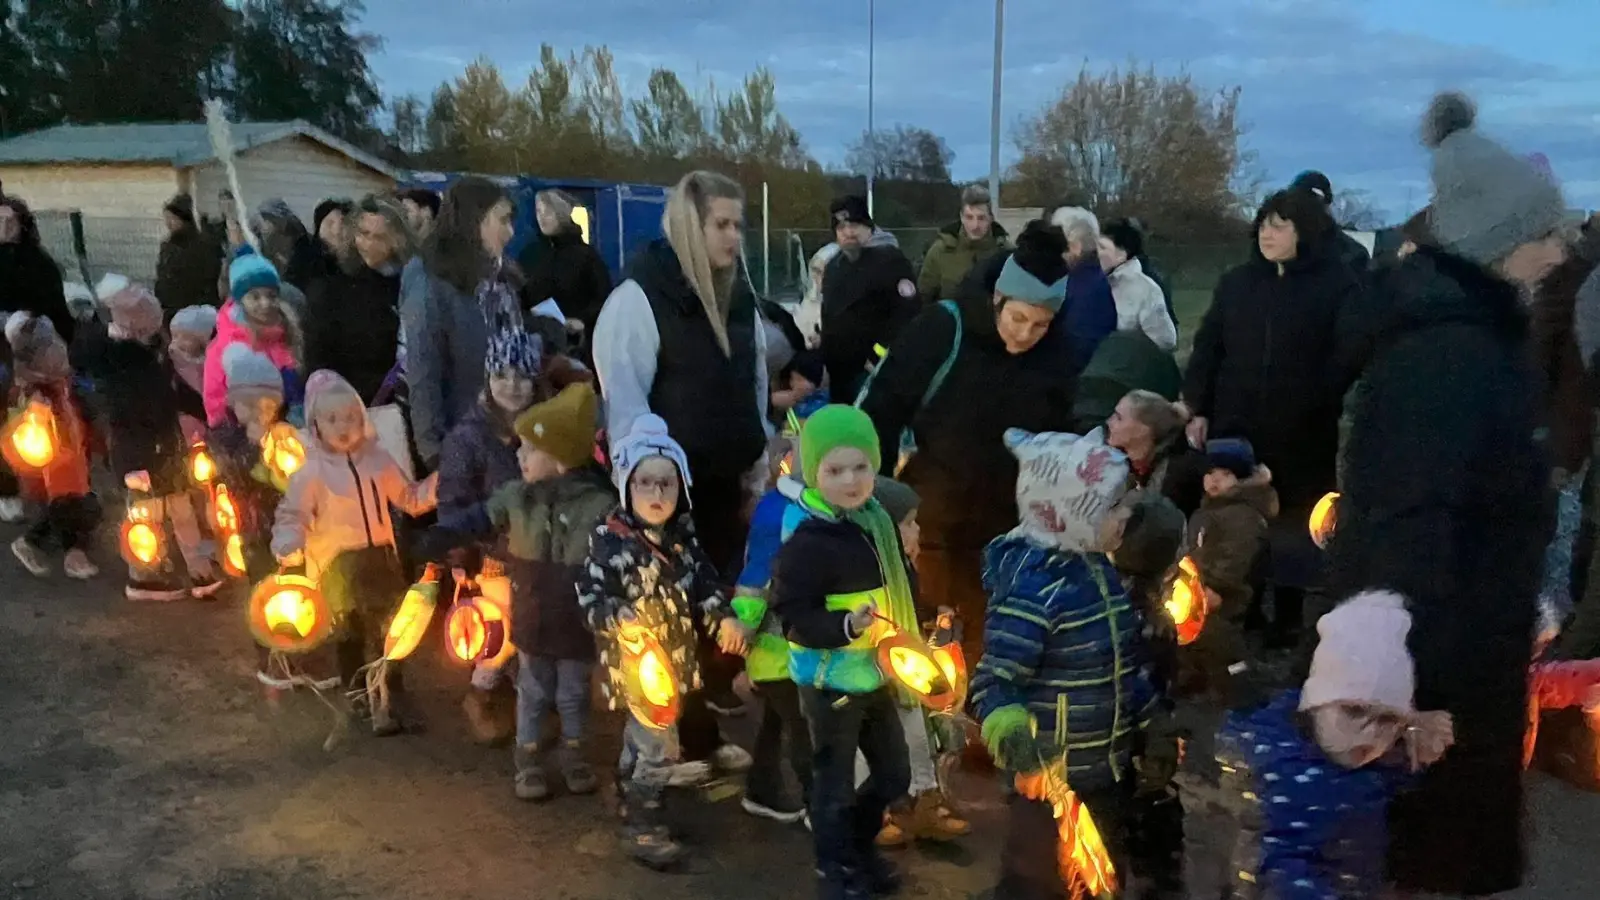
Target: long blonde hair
x=402, y=241
x=688, y=204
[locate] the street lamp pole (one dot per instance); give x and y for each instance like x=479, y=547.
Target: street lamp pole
x=994, y=104
x=872, y=136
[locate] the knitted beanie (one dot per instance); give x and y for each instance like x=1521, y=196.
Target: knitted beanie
x=1487, y=201
x=1361, y=655
x=1233, y=454
x=833, y=427
x=1153, y=537
x=200, y=320
x=250, y=372
x=135, y=311
x=563, y=426
x=512, y=349
x=898, y=499
x=248, y=271
x=647, y=437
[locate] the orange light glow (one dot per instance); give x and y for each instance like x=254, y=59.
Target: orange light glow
x=411, y=620
x=1186, y=602
x=288, y=613
x=223, y=512
x=651, y=686
x=467, y=632
x=202, y=468
x=282, y=450
x=33, y=435
x=1324, y=519
x=924, y=671
x=292, y=610
x=1081, y=855
x=233, y=556
x=141, y=544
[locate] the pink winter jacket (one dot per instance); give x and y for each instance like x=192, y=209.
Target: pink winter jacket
x=270, y=342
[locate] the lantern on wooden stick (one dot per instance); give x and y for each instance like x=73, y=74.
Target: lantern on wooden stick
x=30, y=437
x=233, y=561
x=282, y=451
x=288, y=614
x=1186, y=602
x=474, y=632
x=411, y=620
x=1325, y=519
x=649, y=683
x=935, y=676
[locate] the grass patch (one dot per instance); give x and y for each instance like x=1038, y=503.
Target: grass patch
x=1190, y=306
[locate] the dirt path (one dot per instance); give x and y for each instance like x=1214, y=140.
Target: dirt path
x=139, y=760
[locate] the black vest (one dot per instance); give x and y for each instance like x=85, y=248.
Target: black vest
x=707, y=397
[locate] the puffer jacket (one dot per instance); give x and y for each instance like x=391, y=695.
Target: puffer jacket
x=273, y=343
x=1314, y=830
x=340, y=502
x=769, y=655
x=1229, y=535
x=1141, y=306
x=952, y=256
x=479, y=457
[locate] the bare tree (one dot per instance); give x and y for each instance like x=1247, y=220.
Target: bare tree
x=1354, y=209
x=902, y=153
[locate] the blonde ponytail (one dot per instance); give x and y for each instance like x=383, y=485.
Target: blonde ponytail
x=684, y=223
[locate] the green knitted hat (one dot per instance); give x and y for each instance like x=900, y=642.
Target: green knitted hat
x=832, y=427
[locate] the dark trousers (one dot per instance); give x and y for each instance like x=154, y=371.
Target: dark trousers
x=67, y=523
x=845, y=819
x=1028, y=867
x=783, y=728
x=721, y=528
x=950, y=573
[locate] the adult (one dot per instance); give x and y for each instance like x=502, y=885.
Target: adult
x=1149, y=429
x=352, y=323
x=298, y=256
x=190, y=261
x=1141, y=306
x=960, y=245
x=869, y=293
x=1091, y=310
x=1446, y=498
x=1341, y=245
x=561, y=265
x=1267, y=366
x=452, y=298
x=957, y=382
x=422, y=210
x=328, y=223
x=30, y=280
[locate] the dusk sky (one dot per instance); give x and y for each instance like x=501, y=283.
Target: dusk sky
x=1331, y=85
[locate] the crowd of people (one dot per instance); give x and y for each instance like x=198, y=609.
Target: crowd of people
x=1002, y=446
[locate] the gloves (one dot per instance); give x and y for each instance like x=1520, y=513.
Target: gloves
x=1008, y=733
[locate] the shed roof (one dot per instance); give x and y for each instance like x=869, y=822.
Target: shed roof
x=179, y=145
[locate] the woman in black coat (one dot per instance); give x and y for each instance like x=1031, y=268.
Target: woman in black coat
x=1266, y=366
x=30, y=280
x=560, y=265
x=352, y=322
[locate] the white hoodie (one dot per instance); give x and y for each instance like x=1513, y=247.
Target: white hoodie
x=1141, y=306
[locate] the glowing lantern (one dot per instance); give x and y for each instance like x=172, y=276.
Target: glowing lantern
x=1325, y=519
x=30, y=441
x=223, y=512
x=1186, y=602
x=411, y=620
x=233, y=555
x=288, y=614
x=202, y=468
x=651, y=687
x=142, y=544
x=282, y=450
x=1081, y=855
x=935, y=677
x=466, y=632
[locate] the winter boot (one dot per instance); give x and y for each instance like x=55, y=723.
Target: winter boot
x=933, y=820
x=384, y=721
x=897, y=829
x=575, y=771
x=531, y=783
x=645, y=838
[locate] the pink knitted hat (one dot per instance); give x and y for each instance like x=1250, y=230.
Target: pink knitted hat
x=1362, y=656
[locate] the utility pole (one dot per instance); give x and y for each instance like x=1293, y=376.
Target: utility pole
x=872, y=136
x=994, y=104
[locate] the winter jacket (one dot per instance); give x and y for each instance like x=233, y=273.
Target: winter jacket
x=352, y=326
x=1229, y=537
x=30, y=281
x=962, y=470
x=1125, y=361
x=1154, y=274
x=769, y=655
x=1564, y=381
x=952, y=256
x=545, y=527
x=1090, y=312
x=187, y=270
x=1314, y=830
x=1063, y=639
x=1267, y=366
x=656, y=352
x=664, y=579
x=562, y=267
x=1349, y=252
x=142, y=397
x=1447, y=501
x=866, y=301
x=273, y=343
x=479, y=457
x=341, y=502
x=1141, y=306
x=446, y=336
x=255, y=498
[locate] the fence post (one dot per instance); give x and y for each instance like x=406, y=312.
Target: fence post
x=766, y=241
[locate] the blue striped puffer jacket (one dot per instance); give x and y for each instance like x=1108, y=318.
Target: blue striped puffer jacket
x=1063, y=638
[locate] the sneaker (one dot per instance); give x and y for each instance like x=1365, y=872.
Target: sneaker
x=731, y=758
x=530, y=783
x=575, y=773
x=11, y=511
x=78, y=566
x=153, y=590
x=31, y=557
x=653, y=848
x=777, y=812
x=204, y=586
x=688, y=774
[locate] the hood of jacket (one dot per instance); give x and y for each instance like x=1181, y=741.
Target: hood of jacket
x=1066, y=487
x=1255, y=492
x=1432, y=288
x=324, y=389
x=659, y=274
x=955, y=236
x=233, y=327
x=1127, y=271
x=881, y=238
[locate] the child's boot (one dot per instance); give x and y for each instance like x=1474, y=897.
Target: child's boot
x=531, y=782
x=644, y=837
x=575, y=771
x=897, y=829
x=384, y=722
x=933, y=820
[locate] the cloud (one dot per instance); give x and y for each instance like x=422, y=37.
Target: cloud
x=1324, y=84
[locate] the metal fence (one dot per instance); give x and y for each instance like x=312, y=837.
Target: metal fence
x=127, y=246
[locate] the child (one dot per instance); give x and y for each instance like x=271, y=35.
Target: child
x=646, y=567
x=1316, y=767
x=41, y=371
x=546, y=517
x=478, y=456
x=1230, y=537
x=802, y=391
x=335, y=520
x=259, y=319
x=1064, y=653
x=840, y=568
x=191, y=328
x=143, y=403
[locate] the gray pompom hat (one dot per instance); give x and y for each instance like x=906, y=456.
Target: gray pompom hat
x=1487, y=201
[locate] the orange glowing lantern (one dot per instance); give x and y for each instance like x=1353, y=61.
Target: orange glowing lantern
x=466, y=632
x=202, y=468
x=1186, y=602
x=223, y=512
x=1081, y=855
x=289, y=614
x=233, y=561
x=651, y=687
x=1325, y=519
x=143, y=545
x=411, y=620
x=30, y=441
x=282, y=451
x=936, y=677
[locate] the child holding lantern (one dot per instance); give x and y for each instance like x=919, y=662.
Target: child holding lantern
x=256, y=317
x=335, y=520
x=191, y=329
x=647, y=570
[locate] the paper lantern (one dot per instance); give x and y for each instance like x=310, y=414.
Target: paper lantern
x=142, y=540
x=474, y=631
x=411, y=620
x=649, y=683
x=1325, y=519
x=30, y=441
x=223, y=513
x=1081, y=856
x=909, y=662
x=1185, y=601
x=233, y=561
x=953, y=663
x=202, y=468
x=289, y=614
x=282, y=451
